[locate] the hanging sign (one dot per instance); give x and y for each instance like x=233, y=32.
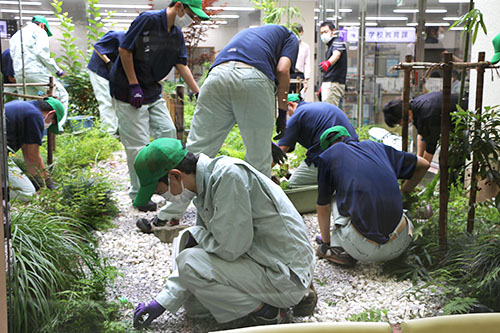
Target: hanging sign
x=390, y=35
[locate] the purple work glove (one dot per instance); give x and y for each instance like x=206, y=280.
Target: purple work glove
x=279, y=155
x=152, y=309
x=280, y=124
x=60, y=73
x=136, y=95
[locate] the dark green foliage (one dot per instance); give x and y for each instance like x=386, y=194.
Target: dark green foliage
x=370, y=315
x=82, y=100
x=468, y=272
x=83, y=196
x=51, y=254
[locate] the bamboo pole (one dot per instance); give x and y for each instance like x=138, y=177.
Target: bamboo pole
x=406, y=103
x=444, y=155
x=179, y=112
x=475, y=164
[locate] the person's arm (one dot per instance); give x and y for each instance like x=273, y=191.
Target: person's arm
x=418, y=174
x=335, y=57
x=283, y=76
x=33, y=160
x=128, y=65
x=307, y=68
x=102, y=56
x=12, y=79
x=187, y=76
x=284, y=148
x=324, y=213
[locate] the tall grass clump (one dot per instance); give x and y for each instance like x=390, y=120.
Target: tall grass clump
x=49, y=257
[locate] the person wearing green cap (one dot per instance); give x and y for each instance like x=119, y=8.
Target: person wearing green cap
x=247, y=255
x=305, y=126
x=496, y=47
x=38, y=65
x=151, y=47
x=358, y=188
x=25, y=122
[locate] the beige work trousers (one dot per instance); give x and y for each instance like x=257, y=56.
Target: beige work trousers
x=332, y=92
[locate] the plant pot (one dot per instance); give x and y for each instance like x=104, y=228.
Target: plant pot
x=79, y=123
x=303, y=198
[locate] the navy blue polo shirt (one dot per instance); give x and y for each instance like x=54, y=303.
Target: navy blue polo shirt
x=107, y=45
x=338, y=71
x=7, y=68
x=426, y=111
x=24, y=124
x=364, y=178
x=307, y=124
x=261, y=47
x=155, y=52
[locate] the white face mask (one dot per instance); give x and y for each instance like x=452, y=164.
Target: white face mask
x=184, y=21
x=45, y=124
x=326, y=37
x=184, y=197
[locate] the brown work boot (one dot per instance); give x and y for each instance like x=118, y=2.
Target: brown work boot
x=335, y=254
x=307, y=304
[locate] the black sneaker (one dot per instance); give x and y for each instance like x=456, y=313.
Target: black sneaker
x=268, y=315
x=307, y=304
x=160, y=223
x=149, y=207
x=144, y=225
x=335, y=254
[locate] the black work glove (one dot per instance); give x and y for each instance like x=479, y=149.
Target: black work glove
x=109, y=65
x=280, y=124
x=279, y=156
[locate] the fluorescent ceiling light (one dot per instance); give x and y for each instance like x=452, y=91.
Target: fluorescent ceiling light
x=454, y=1
x=386, y=18
x=110, y=5
x=16, y=11
x=224, y=16
x=458, y=28
x=341, y=10
x=451, y=18
x=333, y=18
x=242, y=9
x=412, y=24
x=405, y=11
x=436, y=11
x=357, y=24
x=437, y=24
x=118, y=20
x=24, y=3
x=125, y=14
x=28, y=18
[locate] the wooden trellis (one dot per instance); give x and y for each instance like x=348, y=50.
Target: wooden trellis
x=447, y=66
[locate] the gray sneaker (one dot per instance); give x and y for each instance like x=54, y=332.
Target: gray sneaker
x=269, y=315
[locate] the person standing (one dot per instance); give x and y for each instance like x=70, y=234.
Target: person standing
x=38, y=65
x=100, y=65
x=9, y=76
x=303, y=65
x=334, y=68
x=152, y=46
x=247, y=255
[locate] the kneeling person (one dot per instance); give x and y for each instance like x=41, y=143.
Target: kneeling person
x=358, y=187
x=248, y=252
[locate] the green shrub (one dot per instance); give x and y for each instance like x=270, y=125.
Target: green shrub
x=82, y=149
x=50, y=255
x=370, y=315
x=82, y=195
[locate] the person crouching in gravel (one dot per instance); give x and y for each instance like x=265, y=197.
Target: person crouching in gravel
x=247, y=255
x=358, y=187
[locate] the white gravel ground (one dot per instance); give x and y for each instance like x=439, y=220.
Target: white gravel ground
x=145, y=264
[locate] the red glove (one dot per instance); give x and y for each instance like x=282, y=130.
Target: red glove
x=324, y=65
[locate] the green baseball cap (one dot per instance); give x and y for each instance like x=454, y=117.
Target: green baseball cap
x=195, y=6
x=293, y=98
x=42, y=19
x=496, y=46
x=153, y=162
x=59, y=108
x=325, y=141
